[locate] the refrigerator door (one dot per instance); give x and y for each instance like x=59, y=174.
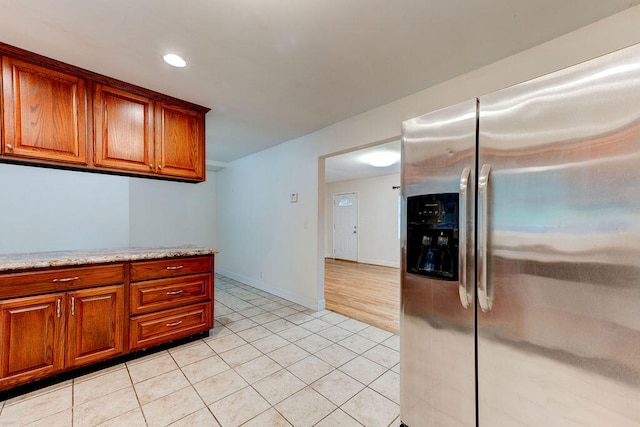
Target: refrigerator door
x=437, y=333
x=559, y=248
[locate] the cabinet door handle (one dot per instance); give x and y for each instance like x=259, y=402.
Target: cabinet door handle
x=9, y=147
x=58, y=308
x=169, y=325
x=66, y=279
x=150, y=165
x=177, y=267
x=73, y=306
x=175, y=292
x=159, y=166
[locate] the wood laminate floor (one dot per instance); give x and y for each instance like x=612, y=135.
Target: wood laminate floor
x=369, y=293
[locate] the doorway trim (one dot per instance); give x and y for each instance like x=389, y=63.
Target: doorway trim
x=321, y=225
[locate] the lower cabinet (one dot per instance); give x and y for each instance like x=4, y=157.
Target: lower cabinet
x=170, y=299
x=45, y=334
x=32, y=338
x=95, y=324
x=55, y=320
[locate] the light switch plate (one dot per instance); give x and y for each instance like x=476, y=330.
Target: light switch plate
x=293, y=197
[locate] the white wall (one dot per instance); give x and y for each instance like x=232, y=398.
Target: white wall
x=48, y=209
x=279, y=246
x=260, y=234
x=378, y=241
x=167, y=213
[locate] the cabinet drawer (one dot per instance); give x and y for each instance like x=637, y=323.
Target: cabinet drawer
x=32, y=283
x=155, y=295
x=156, y=328
x=171, y=267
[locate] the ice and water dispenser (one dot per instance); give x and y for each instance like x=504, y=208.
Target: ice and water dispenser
x=432, y=235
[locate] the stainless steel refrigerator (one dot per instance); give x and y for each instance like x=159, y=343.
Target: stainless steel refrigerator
x=521, y=254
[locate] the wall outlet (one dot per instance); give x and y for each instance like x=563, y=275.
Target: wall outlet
x=293, y=198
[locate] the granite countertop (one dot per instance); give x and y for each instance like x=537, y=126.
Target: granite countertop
x=23, y=261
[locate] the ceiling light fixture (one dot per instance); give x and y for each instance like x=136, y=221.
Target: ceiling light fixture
x=175, y=60
x=381, y=159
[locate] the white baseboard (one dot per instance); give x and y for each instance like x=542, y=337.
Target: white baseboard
x=372, y=261
x=379, y=262
x=307, y=302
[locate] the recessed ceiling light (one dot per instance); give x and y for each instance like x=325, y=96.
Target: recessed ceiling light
x=175, y=60
x=381, y=159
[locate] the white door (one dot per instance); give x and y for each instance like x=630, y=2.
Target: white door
x=345, y=226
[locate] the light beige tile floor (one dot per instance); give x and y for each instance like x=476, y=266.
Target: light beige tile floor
x=268, y=362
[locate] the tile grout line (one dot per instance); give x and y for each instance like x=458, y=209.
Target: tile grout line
x=73, y=401
x=311, y=333
x=338, y=408
x=194, y=388
x=190, y=385
x=133, y=386
x=366, y=386
x=270, y=405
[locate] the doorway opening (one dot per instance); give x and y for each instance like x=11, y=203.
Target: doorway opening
x=359, y=244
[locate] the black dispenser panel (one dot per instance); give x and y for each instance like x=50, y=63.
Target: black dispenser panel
x=432, y=235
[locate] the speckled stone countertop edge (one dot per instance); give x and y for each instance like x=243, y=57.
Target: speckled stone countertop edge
x=32, y=260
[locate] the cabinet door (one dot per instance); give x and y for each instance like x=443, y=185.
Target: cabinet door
x=45, y=113
x=179, y=142
x=31, y=335
x=95, y=324
x=123, y=130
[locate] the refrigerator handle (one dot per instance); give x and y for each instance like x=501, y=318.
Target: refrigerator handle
x=485, y=291
x=463, y=287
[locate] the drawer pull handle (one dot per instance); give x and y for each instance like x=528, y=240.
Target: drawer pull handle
x=66, y=279
x=169, y=325
x=177, y=267
x=175, y=292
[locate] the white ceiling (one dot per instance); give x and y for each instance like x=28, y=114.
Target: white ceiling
x=273, y=70
x=353, y=165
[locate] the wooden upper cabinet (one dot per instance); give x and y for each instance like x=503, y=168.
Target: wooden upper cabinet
x=44, y=113
x=179, y=141
x=123, y=127
x=135, y=133
x=57, y=115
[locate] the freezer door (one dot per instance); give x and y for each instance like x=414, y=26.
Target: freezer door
x=559, y=248
x=437, y=379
